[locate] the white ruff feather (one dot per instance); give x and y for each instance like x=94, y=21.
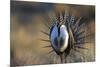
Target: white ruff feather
x=54, y=34
x=65, y=36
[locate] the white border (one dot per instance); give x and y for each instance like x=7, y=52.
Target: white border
x=83, y=2
x=4, y=33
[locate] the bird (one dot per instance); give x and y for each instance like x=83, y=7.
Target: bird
x=66, y=34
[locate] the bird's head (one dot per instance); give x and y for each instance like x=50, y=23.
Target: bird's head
x=59, y=37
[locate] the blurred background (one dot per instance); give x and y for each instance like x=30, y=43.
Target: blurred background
x=27, y=19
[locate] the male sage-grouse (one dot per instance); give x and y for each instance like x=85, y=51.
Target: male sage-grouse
x=65, y=34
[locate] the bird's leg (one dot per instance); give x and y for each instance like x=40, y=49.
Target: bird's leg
x=62, y=57
x=65, y=60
